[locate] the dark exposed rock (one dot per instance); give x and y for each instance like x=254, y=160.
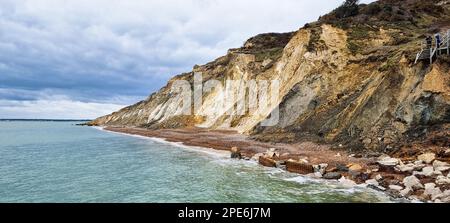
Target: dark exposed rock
x=332, y=176
x=236, y=153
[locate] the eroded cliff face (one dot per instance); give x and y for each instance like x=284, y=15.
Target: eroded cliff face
x=354, y=85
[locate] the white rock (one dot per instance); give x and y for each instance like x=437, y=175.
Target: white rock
x=440, y=166
x=338, y=155
x=405, y=168
x=427, y=157
x=412, y=182
x=372, y=182
x=426, y=171
x=321, y=168
x=272, y=150
x=388, y=161
x=441, y=180
x=430, y=186
x=405, y=192
x=351, y=155
x=395, y=187
x=378, y=177
x=346, y=182
x=418, y=162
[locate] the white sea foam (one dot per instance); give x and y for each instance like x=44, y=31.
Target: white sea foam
x=204, y=150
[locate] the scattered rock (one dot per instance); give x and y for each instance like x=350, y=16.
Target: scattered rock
x=256, y=156
x=405, y=192
x=405, y=168
x=272, y=154
x=332, y=176
x=351, y=155
x=354, y=167
x=359, y=177
x=236, y=153
x=432, y=191
x=440, y=166
x=266, y=161
x=341, y=168
x=372, y=182
x=346, y=182
x=321, y=168
x=395, y=188
x=378, y=177
x=426, y=171
x=299, y=167
x=418, y=162
x=441, y=180
x=445, y=196
x=412, y=182
x=388, y=161
x=427, y=157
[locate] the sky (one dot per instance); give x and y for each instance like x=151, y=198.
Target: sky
x=81, y=59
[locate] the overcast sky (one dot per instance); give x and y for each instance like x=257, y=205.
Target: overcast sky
x=80, y=59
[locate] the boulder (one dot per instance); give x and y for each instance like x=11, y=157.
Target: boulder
x=299, y=167
x=388, y=161
x=427, y=157
x=405, y=168
x=355, y=167
x=405, y=192
x=359, y=177
x=266, y=161
x=426, y=171
x=440, y=166
x=432, y=191
x=236, y=153
x=372, y=182
x=441, y=180
x=342, y=168
x=412, y=182
x=321, y=168
x=395, y=188
x=332, y=176
x=378, y=177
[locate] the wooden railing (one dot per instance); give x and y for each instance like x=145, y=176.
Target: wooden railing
x=441, y=49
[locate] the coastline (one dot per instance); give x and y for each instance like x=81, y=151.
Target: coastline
x=416, y=178
x=354, y=170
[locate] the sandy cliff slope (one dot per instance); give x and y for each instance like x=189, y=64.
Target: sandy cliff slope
x=349, y=81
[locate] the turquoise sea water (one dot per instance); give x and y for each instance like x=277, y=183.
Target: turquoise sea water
x=61, y=162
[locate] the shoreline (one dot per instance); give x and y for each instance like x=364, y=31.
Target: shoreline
x=308, y=159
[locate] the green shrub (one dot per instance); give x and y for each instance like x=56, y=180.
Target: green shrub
x=348, y=9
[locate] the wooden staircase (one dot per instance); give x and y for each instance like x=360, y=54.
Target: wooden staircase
x=431, y=53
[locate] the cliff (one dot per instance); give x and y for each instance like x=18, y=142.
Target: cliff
x=343, y=80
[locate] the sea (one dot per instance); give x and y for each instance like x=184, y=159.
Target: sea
x=45, y=161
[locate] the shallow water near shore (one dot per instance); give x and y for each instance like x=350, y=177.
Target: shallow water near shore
x=62, y=162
